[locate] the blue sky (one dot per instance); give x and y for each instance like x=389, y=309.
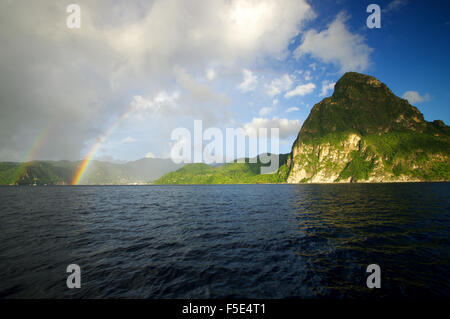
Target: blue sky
x=229, y=63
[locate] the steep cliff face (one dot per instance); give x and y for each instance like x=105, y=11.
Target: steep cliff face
x=364, y=133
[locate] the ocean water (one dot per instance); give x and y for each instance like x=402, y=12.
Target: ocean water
x=216, y=241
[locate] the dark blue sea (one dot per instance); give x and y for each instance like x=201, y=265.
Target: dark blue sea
x=216, y=241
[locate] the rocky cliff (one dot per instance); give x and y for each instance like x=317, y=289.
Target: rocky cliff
x=364, y=133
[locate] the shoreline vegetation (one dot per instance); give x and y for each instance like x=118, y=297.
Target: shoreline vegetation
x=363, y=133
x=236, y=184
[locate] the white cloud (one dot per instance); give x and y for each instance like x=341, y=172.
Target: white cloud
x=395, y=5
x=127, y=140
x=287, y=127
x=210, y=74
x=149, y=155
x=197, y=101
x=336, y=45
x=301, y=90
x=307, y=76
x=268, y=109
x=163, y=101
x=414, y=97
x=249, y=82
x=265, y=111
x=198, y=92
x=238, y=30
x=123, y=48
x=279, y=85
x=292, y=109
x=327, y=86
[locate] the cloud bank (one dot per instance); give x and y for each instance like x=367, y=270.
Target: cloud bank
x=337, y=45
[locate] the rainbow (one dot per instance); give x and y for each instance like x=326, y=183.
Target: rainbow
x=33, y=150
x=87, y=160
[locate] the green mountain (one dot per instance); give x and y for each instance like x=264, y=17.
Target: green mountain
x=229, y=173
x=364, y=133
x=99, y=173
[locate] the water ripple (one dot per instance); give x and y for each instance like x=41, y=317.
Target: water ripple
x=251, y=241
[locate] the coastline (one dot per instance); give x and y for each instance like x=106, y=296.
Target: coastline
x=315, y=183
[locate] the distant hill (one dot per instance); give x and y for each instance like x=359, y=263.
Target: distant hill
x=99, y=173
x=229, y=173
x=364, y=133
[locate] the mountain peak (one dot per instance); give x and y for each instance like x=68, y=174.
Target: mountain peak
x=352, y=82
x=364, y=105
x=359, y=77
x=354, y=79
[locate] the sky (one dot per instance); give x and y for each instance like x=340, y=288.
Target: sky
x=136, y=70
